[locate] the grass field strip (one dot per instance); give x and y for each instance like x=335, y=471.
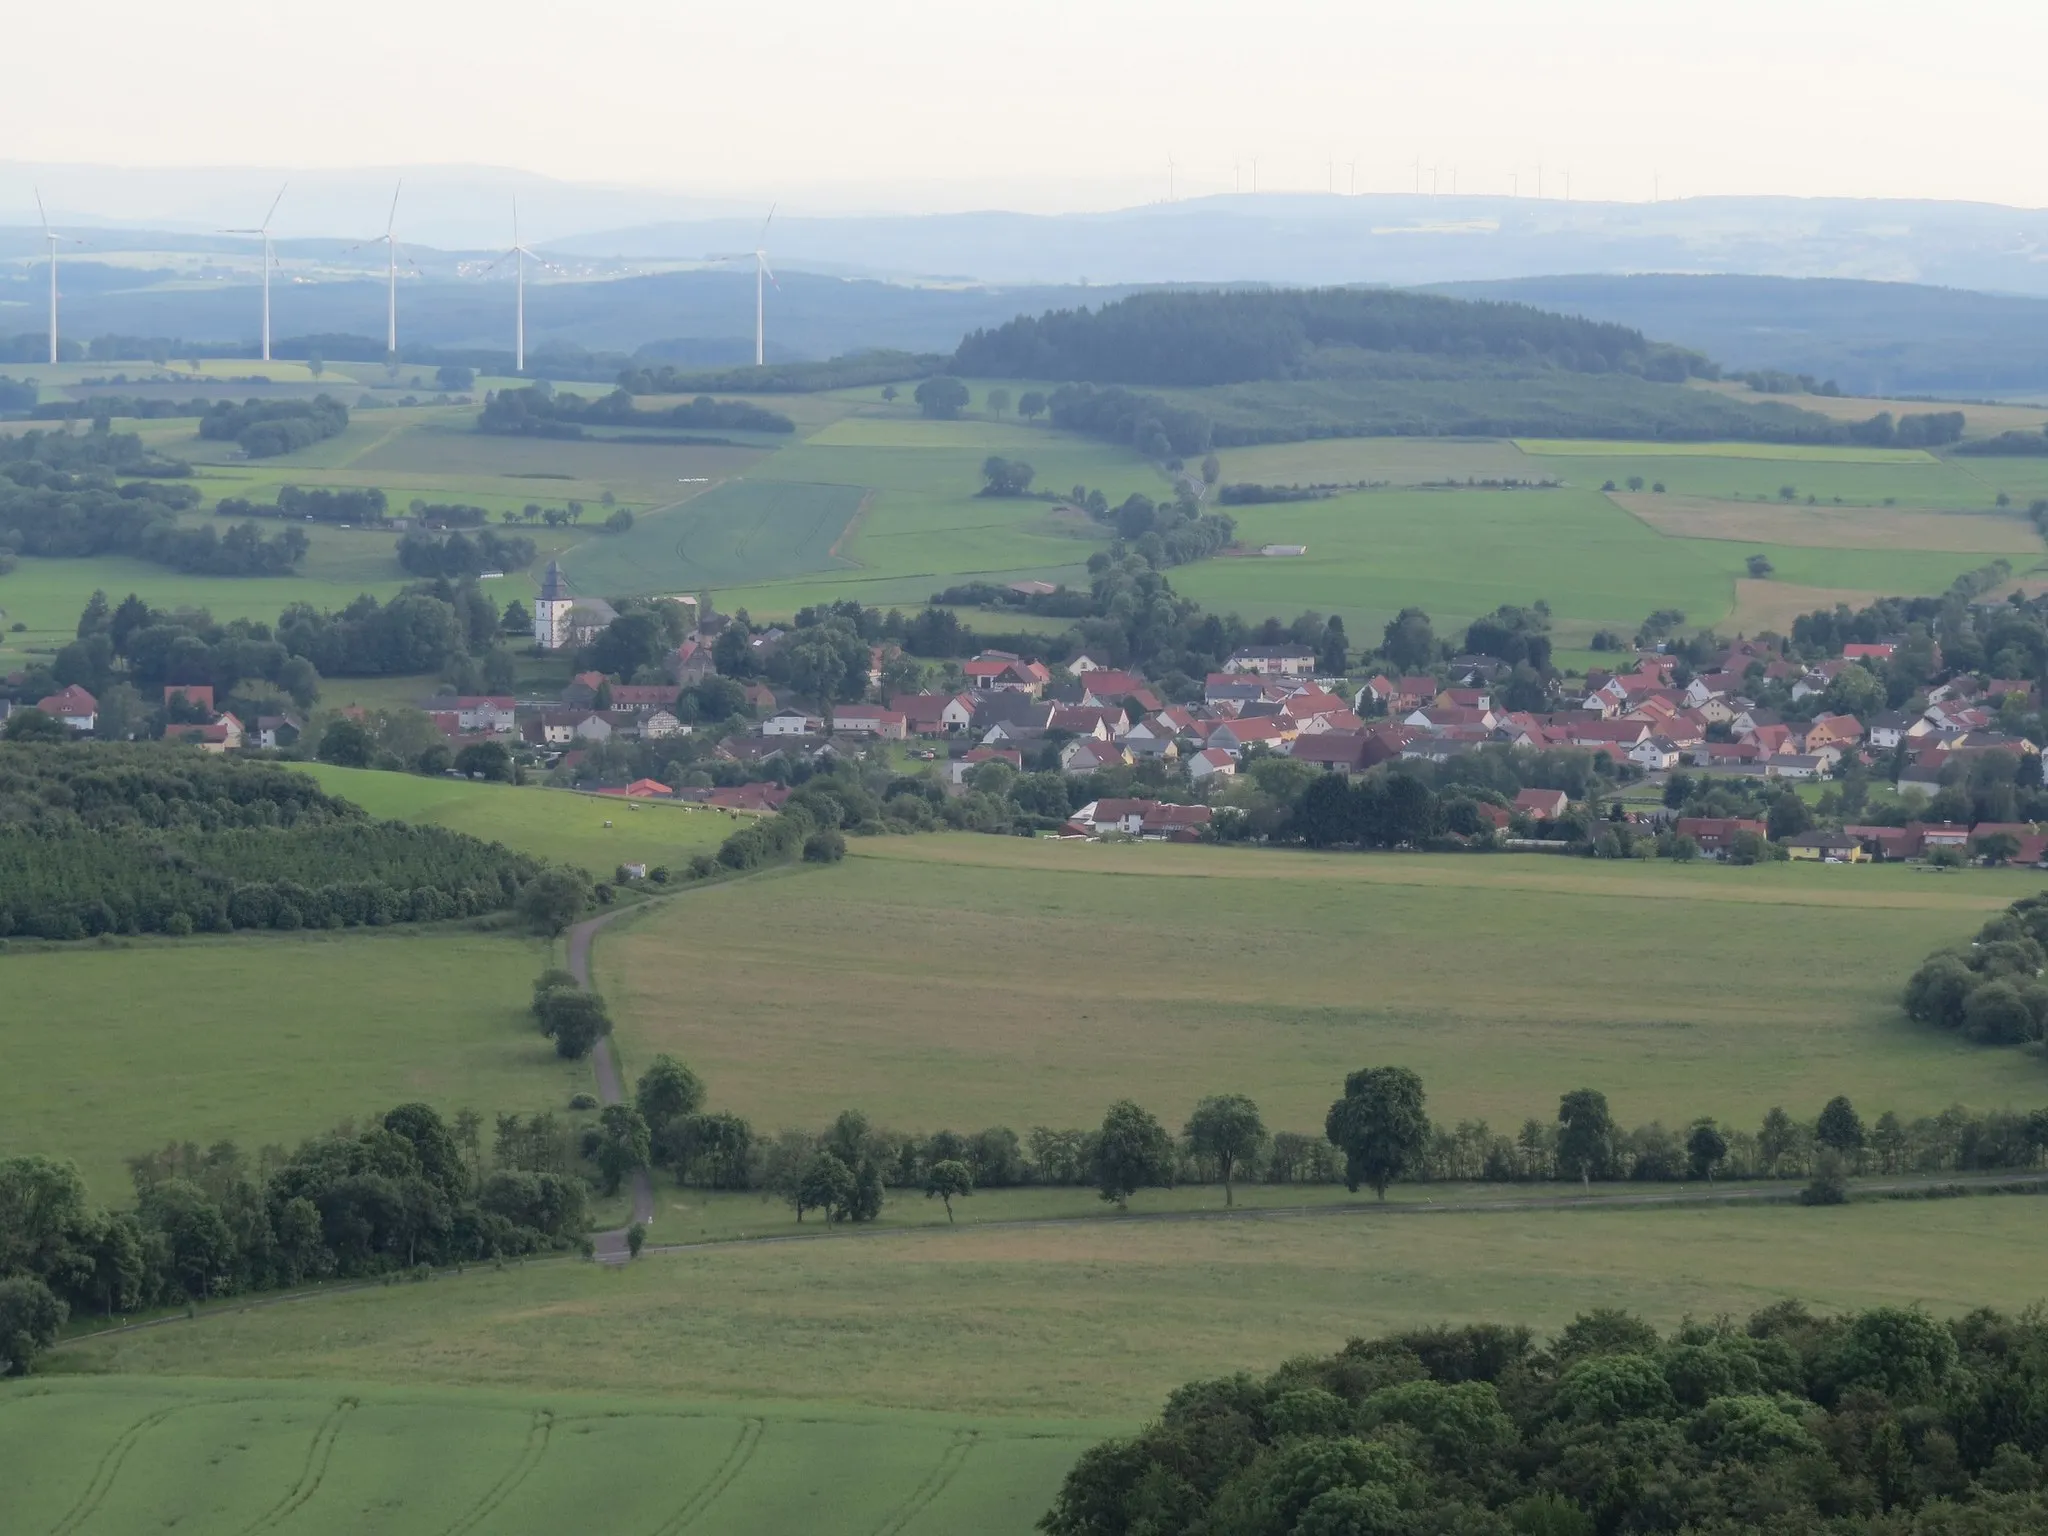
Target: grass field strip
x=955, y=1457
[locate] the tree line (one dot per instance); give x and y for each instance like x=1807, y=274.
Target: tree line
x=319, y=505
x=1885, y=1422
x=407, y=1192
x=538, y=411
x=854, y=371
x=125, y=839
x=267, y=428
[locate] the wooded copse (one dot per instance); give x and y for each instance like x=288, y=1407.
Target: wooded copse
x=64, y=497
x=267, y=428
x=406, y=1192
x=1886, y=1421
x=540, y=411
x=115, y=839
x=1991, y=992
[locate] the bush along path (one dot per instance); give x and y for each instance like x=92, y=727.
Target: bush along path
x=610, y=1247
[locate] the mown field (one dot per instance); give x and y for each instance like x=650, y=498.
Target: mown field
x=1097, y=1319
x=115, y=1050
x=965, y=981
x=119, y=1456
x=597, y=832
x=739, y=531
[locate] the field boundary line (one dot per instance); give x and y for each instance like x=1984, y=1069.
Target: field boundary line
x=539, y=1434
x=310, y=1475
x=851, y=531
x=936, y=1481
x=736, y=1458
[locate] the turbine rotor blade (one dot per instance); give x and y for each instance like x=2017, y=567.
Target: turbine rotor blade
x=393, y=218
x=39, y=210
x=273, y=208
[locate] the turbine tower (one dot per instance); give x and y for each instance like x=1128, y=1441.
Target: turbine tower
x=389, y=240
x=53, y=239
x=762, y=277
x=264, y=231
x=518, y=254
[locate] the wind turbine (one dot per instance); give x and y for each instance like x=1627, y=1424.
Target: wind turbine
x=763, y=275
x=54, y=239
x=390, y=242
x=518, y=253
x=264, y=230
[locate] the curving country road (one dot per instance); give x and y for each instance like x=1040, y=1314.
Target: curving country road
x=610, y=1246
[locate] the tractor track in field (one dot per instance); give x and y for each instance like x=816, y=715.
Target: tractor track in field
x=721, y=1478
x=538, y=1435
x=935, y=1483
x=310, y=1476
x=611, y=1089
x=109, y=1469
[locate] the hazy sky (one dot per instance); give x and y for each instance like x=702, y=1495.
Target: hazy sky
x=1059, y=103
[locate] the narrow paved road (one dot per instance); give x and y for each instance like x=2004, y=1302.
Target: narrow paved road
x=611, y=1246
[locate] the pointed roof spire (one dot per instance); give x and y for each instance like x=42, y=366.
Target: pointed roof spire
x=554, y=586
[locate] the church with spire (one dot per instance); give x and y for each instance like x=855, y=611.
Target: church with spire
x=560, y=618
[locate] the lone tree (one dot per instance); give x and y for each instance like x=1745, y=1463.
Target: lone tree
x=574, y=1020
x=941, y=398
x=1227, y=1129
x=1840, y=1128
x=636, y=1239
x=1133, y=1152
x=825, y=1184
x=1585, y=1138
x=998, y=402
x=949, y=1178
x=552, y=900
x=30, y=1319
x=1379, y=1124
x=666, y=1092
x=623, y=1145
x=1706, y=1149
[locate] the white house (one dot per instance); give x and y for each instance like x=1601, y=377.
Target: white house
x=1210, y=761
x=1654, y=753
x=74, y=706
x=662, y=723
x=791, y=722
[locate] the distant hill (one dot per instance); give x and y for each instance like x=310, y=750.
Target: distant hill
x=1871, y=338
x=1244, y=366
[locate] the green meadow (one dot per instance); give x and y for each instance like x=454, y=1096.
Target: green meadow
x=596, y=832
x=118, y=1049
x=1089, y=1319
x=961, y=981
x=741, y=530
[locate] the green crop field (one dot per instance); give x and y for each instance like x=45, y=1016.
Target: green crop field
x=120, y=1456
x=597, y=832
x=1459, y=554
x=1089, y=1319
x=117, y=1050
x=742, y=531
x=964, y=981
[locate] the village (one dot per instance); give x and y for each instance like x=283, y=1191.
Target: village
x=1085, y=718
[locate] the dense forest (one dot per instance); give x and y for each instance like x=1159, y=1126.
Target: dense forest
x=65, y=497
x=1886, y=1421
x=152, y=839
x=1234, y=337
x=267, y=428
x=538, y=411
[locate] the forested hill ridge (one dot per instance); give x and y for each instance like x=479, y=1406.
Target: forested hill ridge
x=1247, y=366
x=1236, y=337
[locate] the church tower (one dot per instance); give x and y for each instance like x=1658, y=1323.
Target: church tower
x=551, y=609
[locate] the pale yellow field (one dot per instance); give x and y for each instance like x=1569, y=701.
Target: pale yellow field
x=1978, y=420
x=1773, y=605
x=1744, y=522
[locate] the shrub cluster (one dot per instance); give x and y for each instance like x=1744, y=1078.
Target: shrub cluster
x=538, y=411
x=1993, y=992
x=1886, y=1421
x=461, y=555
